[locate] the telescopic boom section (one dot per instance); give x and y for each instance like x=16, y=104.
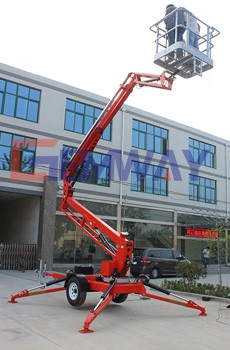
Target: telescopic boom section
x=94, y=227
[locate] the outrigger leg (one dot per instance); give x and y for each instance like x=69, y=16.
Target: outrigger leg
x=34, y=291
x=185, y=302
x=103, y=302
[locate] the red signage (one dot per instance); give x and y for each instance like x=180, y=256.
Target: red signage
x=200, y=233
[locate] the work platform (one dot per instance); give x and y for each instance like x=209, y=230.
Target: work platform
x=181, y=57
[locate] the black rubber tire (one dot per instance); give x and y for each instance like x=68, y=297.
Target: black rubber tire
x=120, y=298
x=154, y=273
x=74, y=293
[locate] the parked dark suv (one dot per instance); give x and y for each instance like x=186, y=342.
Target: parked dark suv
x=155, y=262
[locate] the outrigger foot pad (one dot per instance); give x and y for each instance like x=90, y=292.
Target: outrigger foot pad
x=86, y=331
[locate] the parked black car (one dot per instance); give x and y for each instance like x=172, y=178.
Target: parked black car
x=155, y=262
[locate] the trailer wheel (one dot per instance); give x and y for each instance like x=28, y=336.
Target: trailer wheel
x=74, y=293
x=120, y=298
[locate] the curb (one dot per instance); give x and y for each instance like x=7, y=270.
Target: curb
x=201, y=296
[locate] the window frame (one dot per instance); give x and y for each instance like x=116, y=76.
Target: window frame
x=16, y=152
x=88, y=114
x=200, y=153
x=148, y=178
x=18, y=101
x=102, y=162
x=145, y=134
x=202, y=189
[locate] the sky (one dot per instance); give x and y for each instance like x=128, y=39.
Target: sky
x=94, y=44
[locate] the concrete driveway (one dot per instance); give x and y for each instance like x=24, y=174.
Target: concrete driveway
x=49, y=322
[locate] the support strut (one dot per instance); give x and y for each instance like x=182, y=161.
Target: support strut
x=101, y=305
x=185, y=302
x=35, y=291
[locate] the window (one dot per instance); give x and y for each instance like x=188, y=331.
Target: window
x=19, y=101
x=96, y=168
x=80, y=117
x=149, y=178
x=202, y=189
x=202, y=153
x=166, y=254
x=17, y=153
x=149, y=137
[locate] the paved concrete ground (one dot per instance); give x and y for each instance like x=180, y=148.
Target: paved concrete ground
x=49, y=322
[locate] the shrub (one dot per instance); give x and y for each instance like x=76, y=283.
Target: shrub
x=206, y=289
x=190, y=272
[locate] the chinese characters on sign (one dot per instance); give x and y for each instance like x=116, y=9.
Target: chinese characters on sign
x=201, y=233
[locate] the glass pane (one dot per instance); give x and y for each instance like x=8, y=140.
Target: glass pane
x=135, y=124
x=89, y=111
x=196, y=143
x=35, y=95
x=134, y=166
x=23, y=91
x=69, y=121
x=5, y=139
x=142, y=168
x=157, y=147
x=67, y=153
x=30, y=144
x=149, y=184
x=70, y=105
x=4, y=158
x=150, y=142
x=135, y=138
x=133, y=182
x=156, y=186
x=201, y=181
x=80, y=108
x=164, y=133
x=195, y=156
x=1, y=99
x=141, y=140
x=100, y=208
x=97, y=112
x=11, y=87
x=2, y=85
x=88, y=124
x=18, y=141
x=105, y=160
x=32, y=114
x=150, y=129
x=157, y=131
x=202, y=146
x=164, y=188
x=97, y=158
x=78, y=127
x=102, y=176
x=27, y=162
x=21, y=108
x=9, y=106
x=142, y=127
x=107, y=133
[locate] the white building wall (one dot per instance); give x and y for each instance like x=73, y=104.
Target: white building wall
x=51, y=137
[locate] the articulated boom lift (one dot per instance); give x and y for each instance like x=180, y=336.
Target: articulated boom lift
x=112, y=280
x=97, y=229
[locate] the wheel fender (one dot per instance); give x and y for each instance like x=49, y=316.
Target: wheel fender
x=81, y=279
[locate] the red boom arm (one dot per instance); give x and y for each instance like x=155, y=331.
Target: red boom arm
x=113, y=288
x=94, y=227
